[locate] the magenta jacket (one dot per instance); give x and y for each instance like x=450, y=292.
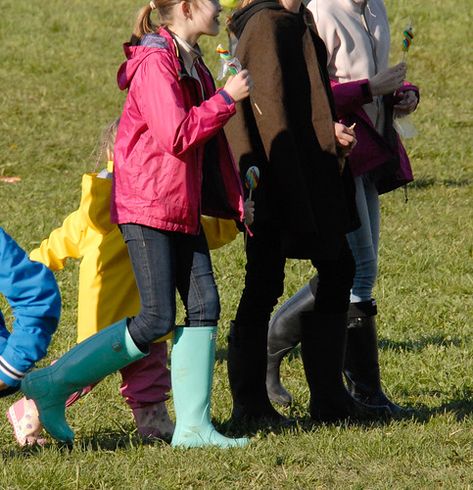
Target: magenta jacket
x=372, y=149
x=172, y=161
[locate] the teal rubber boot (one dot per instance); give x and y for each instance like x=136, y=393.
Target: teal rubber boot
x=85, y=364
x=192, y=366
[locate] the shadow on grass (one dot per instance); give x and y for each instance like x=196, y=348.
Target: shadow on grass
x=413, y=345
x=111, y=441
x=220, y=355
x=419, y=344
x=101, y=441
x=460, y=407
x=425, y=183
x=36, y=450
x=261, y=429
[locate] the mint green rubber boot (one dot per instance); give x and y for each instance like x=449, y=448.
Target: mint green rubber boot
x=85, y=364
x=192, y=366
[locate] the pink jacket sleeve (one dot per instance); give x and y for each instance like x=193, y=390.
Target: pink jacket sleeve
x=350, y=96
x=163, y=106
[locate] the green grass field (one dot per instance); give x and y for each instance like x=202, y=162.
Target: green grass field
x=57, y=78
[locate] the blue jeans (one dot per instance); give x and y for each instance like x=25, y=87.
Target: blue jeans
x=162, y=262
x=365, y=240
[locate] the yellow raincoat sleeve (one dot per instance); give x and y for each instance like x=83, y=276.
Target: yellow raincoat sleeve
x=62, y=243
x=69, y=240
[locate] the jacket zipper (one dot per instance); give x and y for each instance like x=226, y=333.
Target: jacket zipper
x=364, y=21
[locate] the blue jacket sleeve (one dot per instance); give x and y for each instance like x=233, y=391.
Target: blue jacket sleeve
x=32, y=292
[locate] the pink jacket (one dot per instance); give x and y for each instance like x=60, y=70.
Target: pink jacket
x=372, y=150
x=172, y=161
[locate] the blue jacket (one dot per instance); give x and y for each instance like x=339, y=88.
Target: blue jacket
x=31, y=290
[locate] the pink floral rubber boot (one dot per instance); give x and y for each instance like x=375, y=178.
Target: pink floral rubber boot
x=153, y=422
x=24, y=418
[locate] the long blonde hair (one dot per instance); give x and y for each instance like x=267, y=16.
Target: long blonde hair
x=106, y=143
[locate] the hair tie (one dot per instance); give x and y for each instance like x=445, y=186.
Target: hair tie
x=152, y=5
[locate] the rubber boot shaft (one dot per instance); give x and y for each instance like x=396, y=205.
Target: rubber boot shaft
x=192, y=367
x=361, y=360
x=284, y=334
x=247, y=362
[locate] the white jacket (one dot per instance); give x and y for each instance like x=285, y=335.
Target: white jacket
x=356, y=33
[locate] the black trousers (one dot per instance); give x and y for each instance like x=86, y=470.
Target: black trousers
x=264, y=281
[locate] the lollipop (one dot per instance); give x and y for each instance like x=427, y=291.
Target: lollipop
x=229, y=64
x=407, y=37
x=252, y=179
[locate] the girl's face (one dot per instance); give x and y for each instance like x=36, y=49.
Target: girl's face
x=205, y=16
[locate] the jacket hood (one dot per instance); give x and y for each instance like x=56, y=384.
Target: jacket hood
x=357, y=5
x=137, y=54
x=240, y=18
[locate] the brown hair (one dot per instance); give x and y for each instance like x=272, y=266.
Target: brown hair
x=145, y=25
x=244, y=3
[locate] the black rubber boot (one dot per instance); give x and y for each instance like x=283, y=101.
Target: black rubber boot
x=284, y=334
x=323, y=347
x=361, y=358
x=246, y=362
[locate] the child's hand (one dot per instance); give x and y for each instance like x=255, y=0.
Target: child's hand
x=239, y=86
x=407, y=104
x=346, y=139
x=249, y=207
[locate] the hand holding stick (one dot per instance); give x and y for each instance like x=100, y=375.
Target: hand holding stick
x=251, y=182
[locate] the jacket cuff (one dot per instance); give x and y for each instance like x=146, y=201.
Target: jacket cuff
x=226, y=96
x=10, y=374
x=405, y=88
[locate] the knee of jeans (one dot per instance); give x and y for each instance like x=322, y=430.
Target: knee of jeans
x=157, y=324
x=205, y=308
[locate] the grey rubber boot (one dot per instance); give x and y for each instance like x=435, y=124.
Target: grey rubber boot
x=284, y=334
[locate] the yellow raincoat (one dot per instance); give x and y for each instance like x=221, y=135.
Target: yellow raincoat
x=107, y=288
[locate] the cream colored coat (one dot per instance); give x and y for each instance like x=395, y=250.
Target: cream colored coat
x=356, y=33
